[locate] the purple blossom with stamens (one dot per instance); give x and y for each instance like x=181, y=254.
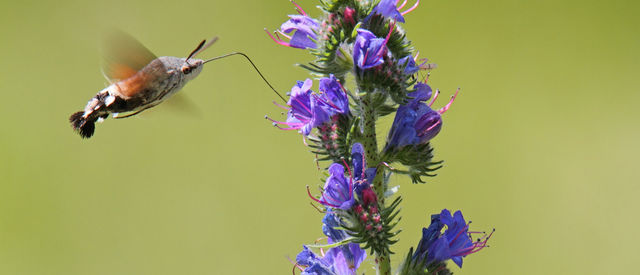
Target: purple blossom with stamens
x=308, y=109
x=305, y=29
x=338, y=190
x=368, y=50
x=415, y=122
x=334, y=95
x=388, y=9
x=305, y=111
x=455, y=243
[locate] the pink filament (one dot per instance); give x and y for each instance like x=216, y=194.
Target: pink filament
x=402, y=5
x=280, y=42
x=300, y=10
x=320, y=201
x=446, y=107
x=411, y=9
x=434, y=96
x=283, y=34
x=391, y=27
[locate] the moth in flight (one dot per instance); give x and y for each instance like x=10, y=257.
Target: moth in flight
x=139, y=80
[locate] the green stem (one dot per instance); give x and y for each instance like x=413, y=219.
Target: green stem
x=370, y=144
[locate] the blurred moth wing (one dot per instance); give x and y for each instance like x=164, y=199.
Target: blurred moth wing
x=123, y=56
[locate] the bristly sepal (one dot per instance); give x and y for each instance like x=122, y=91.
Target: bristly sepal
x=418, y=266
x=418, y=158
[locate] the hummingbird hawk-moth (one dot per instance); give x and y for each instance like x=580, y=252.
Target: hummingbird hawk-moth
x=139, y=80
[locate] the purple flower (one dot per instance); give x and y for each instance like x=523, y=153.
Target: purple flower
x=344, y=259
x=368, y=50
x=333, y=263
x=455, y=243
x=347, y=258
x=389, y=9
x=333, y=95
x=329, y=224
x=304, y=30
x=338, y=190
x=415, y=122
x=313, y=263
x=307, y=110
x=410, y=66
x=429, y=236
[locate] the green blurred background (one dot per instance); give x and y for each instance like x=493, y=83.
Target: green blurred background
x=541, y=144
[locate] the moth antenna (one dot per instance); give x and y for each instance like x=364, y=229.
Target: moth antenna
x=202, y=46
x=196, y=49
x=254, y=66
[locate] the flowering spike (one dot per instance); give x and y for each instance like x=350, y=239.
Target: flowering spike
x=362, y=42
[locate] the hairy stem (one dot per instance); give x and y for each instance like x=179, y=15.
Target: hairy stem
x=370, y=144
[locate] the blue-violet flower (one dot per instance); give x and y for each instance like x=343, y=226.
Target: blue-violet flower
x=368, y=50
x=455, y=243
x=304, y=30
x=415, y=122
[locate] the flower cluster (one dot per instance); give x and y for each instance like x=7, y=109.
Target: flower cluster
x=307, y=110
x=366, y=68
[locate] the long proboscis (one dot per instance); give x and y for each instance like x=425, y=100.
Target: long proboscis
x=254, y=66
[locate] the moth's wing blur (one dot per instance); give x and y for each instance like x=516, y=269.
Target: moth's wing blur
x=178, y=104
x=182, y=104
x=123, y=56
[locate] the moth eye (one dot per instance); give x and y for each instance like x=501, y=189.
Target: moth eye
x=186, y=69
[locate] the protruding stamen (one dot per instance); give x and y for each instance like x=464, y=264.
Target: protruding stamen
x=348, y=169
x=284, y=122
x=319, y=201
x=343, y=89
x=314, y=206
x=283, y=107
x=392, y=25
x=446, y=107
x=279, y=42
x=411, y=9
x=433, y=126
x=402, y=5
x=279, y=32
x=434, y=95
x=300, y=10
x=328, y=102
